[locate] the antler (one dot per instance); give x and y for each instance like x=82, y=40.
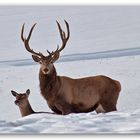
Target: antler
x=55, y=54
x=26, y=41
x=63, y=36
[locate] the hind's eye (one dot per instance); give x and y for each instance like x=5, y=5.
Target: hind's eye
x=23, y=96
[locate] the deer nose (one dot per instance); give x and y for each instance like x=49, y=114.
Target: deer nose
x=45, y=70
x=16, y=102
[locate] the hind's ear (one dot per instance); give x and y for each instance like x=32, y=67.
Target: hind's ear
x=28, y=91
x=14, y=93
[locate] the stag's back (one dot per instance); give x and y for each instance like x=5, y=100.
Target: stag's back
x=89, y=90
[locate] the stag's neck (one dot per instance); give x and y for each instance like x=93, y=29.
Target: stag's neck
x=26, y=110
x=48, y=83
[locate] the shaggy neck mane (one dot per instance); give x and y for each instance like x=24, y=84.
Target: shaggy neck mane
x=48, y=83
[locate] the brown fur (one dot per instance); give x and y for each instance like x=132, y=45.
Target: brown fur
x=65, y=95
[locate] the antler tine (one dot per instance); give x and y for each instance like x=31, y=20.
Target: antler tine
x=68, y=29
x=60, y=30
x=48, y=52
x=63, y=36
x=26, y=41
x=51, y=53
x=30, y=33
x=22, y=30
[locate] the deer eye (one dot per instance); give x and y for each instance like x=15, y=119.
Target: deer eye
x=23, y=96
x=40, y=62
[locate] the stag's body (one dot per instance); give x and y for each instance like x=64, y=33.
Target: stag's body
x=65, y=95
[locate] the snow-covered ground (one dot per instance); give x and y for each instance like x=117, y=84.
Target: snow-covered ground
x=104, y=40
x=89, y=123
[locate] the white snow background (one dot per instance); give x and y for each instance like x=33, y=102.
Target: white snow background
x=105, y=40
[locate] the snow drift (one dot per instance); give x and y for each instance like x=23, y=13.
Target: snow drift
x=90, y=123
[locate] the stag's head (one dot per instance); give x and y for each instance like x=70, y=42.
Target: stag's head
x=21, y=98
x=46, y=62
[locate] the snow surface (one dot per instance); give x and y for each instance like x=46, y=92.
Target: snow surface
x=84, y=123
x=105, y=40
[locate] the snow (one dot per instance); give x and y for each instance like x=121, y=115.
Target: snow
x=105, y=40
x=85, y=123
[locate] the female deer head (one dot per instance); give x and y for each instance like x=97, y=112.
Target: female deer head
x=46, y=62
x=23, y=103
x=21, y=98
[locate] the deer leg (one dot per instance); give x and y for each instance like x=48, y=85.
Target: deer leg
x=112, y=108
x=100, y=109
x=108, y=107
x=64, y=109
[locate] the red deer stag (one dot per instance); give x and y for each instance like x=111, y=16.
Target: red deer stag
x=65, y=95
x=23, y=103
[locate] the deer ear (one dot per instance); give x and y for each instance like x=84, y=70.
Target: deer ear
x=14, y=93
x=36, y=58
x=28, y=91
x=55, y=57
